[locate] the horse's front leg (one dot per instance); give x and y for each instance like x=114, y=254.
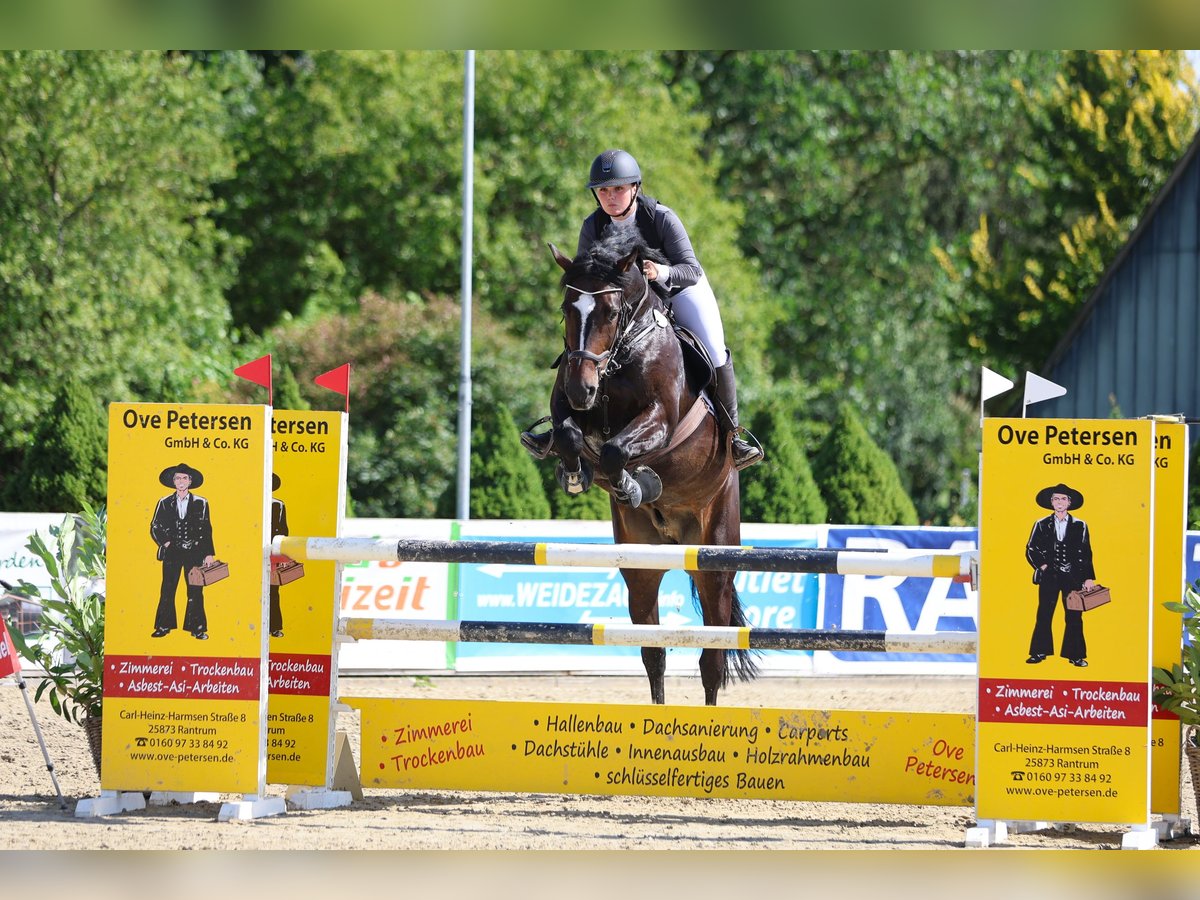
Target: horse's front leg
x=646, y=432
x=574, y=475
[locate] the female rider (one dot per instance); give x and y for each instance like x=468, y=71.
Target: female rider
x=615, y=181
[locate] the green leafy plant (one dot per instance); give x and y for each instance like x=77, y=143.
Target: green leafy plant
x=1177, y=689
x=69, y=644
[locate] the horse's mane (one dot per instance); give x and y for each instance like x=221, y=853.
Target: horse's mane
x=600, y=260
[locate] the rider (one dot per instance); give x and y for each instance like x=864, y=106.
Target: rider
x=615, y=181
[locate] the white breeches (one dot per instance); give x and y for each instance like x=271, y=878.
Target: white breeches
x=696, y=309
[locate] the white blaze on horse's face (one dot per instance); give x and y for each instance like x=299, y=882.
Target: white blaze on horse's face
x=583, y=303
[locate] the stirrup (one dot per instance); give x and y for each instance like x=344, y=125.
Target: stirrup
x=743, y=452
x=538, y=445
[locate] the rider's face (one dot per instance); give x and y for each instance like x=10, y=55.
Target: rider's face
x=615, y=199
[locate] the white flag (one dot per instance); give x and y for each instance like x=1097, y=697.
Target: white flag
x=992, y=384
x=1038, y=389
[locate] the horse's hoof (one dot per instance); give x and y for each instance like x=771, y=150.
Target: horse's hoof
x=649, y=482
x=574, y=483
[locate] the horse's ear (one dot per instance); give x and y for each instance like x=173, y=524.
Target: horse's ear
x=628, y=260
x=564, y=261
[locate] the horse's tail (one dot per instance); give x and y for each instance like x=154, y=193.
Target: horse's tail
x=739, y=664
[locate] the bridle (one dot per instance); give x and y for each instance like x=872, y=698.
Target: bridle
x=630, y=315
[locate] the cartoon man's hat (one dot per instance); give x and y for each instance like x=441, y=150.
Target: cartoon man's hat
x=1044, y=495
x=167, y=476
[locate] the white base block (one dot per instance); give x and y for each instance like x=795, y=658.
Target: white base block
x=1171, y=827
x=253, y=807
x=1028, y=827
x=109, y=802
x=166, y=798
x=1140, y=837
x=316, y=798
x=986, y=833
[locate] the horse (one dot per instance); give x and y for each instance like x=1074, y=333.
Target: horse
x=629, y=417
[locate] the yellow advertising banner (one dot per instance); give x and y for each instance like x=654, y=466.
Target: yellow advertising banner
x=1063, y=705
x=184, y=682
x=1170, y=576
x=307, y=498
x=669, y=751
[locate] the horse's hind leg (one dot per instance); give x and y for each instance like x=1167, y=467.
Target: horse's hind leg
x=643, y=610
x=654, y=659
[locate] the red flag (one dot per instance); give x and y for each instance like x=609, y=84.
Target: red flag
x=259, y=372
x=10, y=663
x=337, y=380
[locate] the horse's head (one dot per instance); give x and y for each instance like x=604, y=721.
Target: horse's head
x=600, y=289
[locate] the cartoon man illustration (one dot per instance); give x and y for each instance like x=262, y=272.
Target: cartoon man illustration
x=279, y=526
x=1060, y=551
x=182, y=528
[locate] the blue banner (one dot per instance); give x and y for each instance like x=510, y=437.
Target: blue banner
x=511, y=593
x=893, y=603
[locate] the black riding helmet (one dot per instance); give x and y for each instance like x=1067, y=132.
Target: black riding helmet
x=613, y=167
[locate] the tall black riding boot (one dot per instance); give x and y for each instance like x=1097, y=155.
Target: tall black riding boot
x=744, y=453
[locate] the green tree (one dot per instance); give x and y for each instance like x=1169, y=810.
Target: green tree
x=859, y=480
x=850, y=166
x=404, y=357
x=504, y=482
x=69, y=469
x=110, y=265
x=781, y=488
x=1103, y=136
x=349, y=181
x=404, y=364
x=286, y=391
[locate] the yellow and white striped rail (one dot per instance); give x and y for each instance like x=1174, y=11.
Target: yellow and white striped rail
x=624, y=634
x=693, y=558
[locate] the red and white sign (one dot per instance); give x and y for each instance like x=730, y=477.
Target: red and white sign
x=10, y=663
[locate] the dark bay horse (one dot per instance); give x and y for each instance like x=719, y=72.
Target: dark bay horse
x=627, y=416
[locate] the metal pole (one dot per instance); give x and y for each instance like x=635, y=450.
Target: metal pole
x=464, y=378
x=62, y=803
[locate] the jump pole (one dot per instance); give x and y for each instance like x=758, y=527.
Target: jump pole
x=619, y=634
x=694, y=558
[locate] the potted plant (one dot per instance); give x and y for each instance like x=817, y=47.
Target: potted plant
x=69, y=642
x=1177, y=689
